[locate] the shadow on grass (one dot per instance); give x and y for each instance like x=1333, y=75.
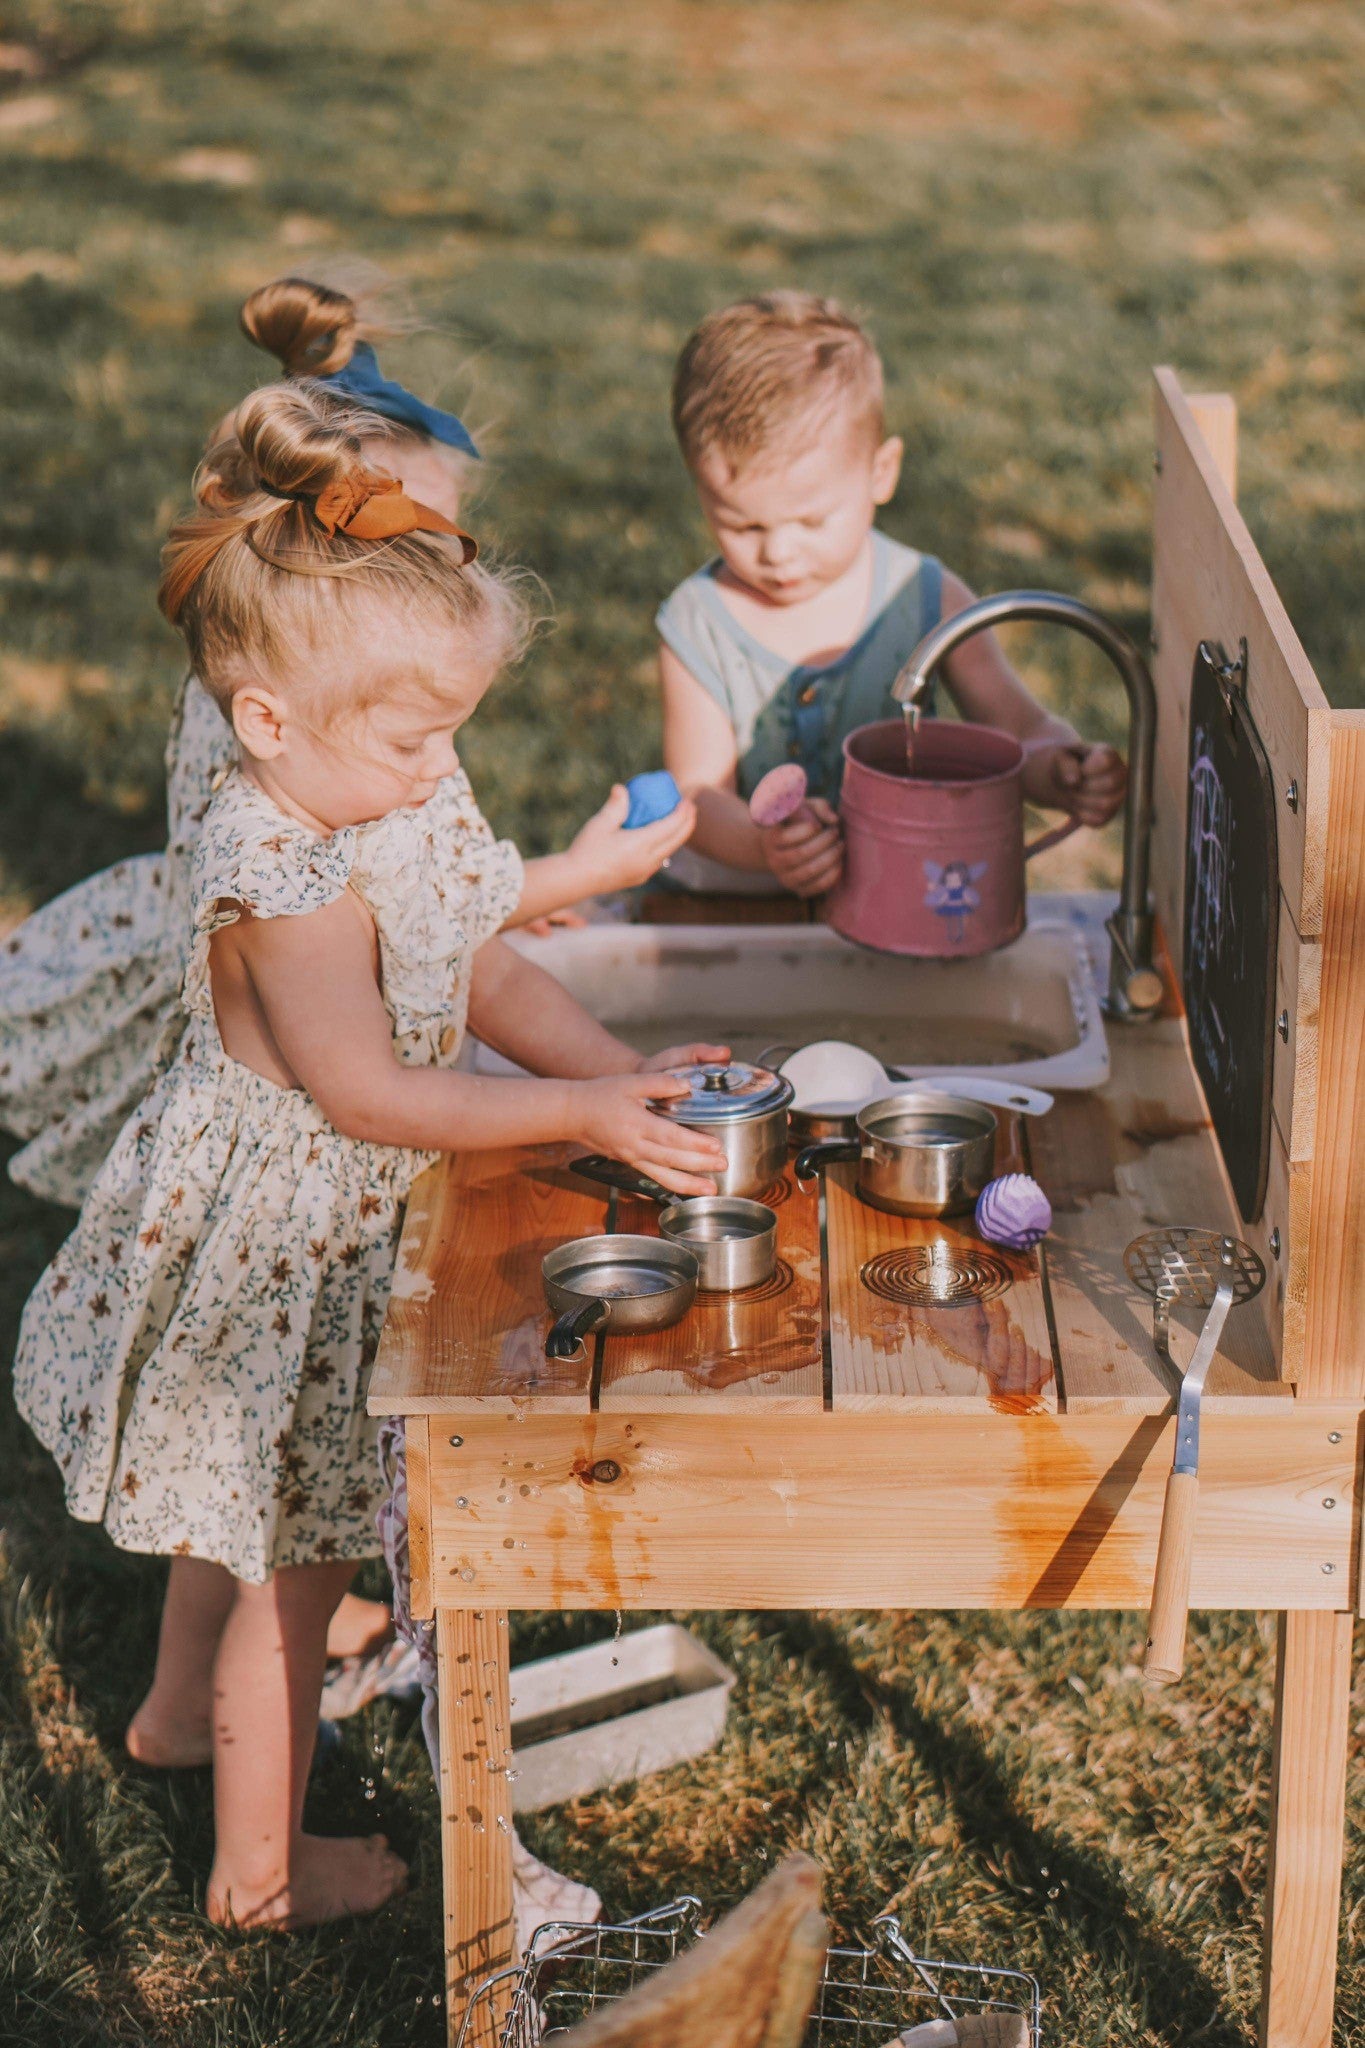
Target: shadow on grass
x=1181, y=2003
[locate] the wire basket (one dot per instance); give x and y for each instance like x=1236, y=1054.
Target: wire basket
x=867, y=1995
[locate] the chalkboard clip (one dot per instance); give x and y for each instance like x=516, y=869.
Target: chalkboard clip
x=1230, y=676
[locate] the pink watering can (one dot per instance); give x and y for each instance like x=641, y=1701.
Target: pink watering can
x=934, y=860
x=933, y=856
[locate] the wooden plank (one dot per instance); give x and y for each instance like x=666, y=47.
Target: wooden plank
x=732, y=1350
x=417, y=1432
x=1132, y=1158
x=1209, y=582
x=1334, y=1337
x=994, y=1352
x=1307, y=1820
x=475, y=1719
x=467, y=1319
x=975, y=1509
x=1215, y=415
x=1294, y=1085
x=1283, y=1304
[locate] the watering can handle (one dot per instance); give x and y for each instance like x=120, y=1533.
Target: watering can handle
x=1052, y=837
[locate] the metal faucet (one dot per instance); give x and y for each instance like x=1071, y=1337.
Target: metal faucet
x=1135, y=988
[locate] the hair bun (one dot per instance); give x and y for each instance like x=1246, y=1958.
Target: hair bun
x=308, y=327
x=297, y=439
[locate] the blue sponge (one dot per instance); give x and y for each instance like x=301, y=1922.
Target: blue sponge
x=652, y=797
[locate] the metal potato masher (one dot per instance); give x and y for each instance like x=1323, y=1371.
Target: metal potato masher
x=1199, y=1269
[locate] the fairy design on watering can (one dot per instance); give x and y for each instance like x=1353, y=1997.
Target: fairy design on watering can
x=952, y=893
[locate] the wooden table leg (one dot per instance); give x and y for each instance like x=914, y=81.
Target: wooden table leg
x=476, y=1803
x=1308, y=1801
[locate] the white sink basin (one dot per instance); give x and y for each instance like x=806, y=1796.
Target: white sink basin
x=1028, y=1013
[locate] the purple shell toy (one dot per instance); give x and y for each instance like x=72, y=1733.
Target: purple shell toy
x=1013, y=1211
x=779, y=795
x=652, y=796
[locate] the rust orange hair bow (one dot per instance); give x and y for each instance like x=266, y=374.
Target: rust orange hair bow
x=368, y=506
x=372, y=507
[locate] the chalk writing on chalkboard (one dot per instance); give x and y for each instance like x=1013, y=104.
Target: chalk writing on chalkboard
x=1211, y=918
x=1231, y=919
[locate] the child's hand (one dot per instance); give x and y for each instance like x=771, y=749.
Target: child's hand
x=554, y=920
x=613, y=858
x=1086, y=781
x=807, y=852
x=684, y=1056
x=617, y=1120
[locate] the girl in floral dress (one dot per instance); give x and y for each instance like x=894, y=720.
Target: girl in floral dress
x=90, y=1006
x=196, y=1355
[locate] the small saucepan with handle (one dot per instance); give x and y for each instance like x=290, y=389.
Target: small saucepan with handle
x=734, y=1239
x=917, y=1154
x=615, y=1282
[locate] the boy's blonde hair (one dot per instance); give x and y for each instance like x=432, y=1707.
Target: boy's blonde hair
x=260, y=588
x=757, y=369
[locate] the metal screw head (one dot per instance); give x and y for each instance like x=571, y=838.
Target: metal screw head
x=1329, y=1500
x=1282, y=1025
x=455, y=1442
x=1291, y=795
x=606, y=1471
x=1274, y=1244
x=1328, y=1570
x=1334, y=1436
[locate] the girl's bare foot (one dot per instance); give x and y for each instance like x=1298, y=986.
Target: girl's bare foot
x=358, y=1627
x=169, y=1739
x=329, y=1878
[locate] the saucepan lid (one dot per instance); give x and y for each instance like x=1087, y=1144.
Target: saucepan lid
x=725, y=1094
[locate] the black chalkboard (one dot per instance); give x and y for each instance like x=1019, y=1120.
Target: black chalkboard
x=1232, y=885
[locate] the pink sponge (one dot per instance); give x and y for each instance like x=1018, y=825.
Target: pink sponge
x=779, y=795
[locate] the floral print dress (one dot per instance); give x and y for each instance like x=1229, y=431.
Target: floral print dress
x=90, y=1009
x=196, y=1355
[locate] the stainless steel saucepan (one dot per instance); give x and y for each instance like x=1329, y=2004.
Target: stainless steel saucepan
x=917, y=1155
x=735, y=1240
x=745, y=1107
x=618, y=1283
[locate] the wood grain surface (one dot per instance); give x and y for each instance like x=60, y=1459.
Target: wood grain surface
x=475, y=1719
x=971, y=1509
x=732, y=1350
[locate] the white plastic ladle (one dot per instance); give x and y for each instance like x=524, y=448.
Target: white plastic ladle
x=831, y=1077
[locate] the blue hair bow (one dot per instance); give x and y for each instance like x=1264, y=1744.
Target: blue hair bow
x=361, y=379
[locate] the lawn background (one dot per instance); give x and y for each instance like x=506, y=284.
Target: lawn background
x=1033, y=202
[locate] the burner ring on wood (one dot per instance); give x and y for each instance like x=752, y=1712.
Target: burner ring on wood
x=778, y=1281
x=776, y=1193
x=937, y=1276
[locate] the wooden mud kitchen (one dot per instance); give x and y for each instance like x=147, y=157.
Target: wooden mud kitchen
x=839, y=1438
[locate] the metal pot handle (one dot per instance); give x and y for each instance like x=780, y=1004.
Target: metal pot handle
x=614, y=1173
x=813, y=1159
x=574, y=1325
x=772, y=1056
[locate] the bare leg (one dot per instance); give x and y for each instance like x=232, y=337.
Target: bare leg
x=172, y=1728
x=358, y=1627
x=266, y=1683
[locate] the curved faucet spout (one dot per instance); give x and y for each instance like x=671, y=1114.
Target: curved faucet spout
x=1134, y=986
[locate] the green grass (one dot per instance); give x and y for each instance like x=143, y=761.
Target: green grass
x=1033, y=203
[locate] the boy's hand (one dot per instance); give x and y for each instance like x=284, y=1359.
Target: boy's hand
x=684, y=1056
x=807, y=852
x=617, y=1120
x=613, y=858
x=1086, y=781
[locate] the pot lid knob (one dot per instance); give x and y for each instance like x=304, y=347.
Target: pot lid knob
x=716, y=1079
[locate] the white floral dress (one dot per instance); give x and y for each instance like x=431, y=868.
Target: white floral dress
x=196, y=1355
x=90, y=1009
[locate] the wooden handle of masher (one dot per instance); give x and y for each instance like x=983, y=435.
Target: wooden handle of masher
x=1164, y=1658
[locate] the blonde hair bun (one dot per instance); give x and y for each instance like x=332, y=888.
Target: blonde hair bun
x=309, y=328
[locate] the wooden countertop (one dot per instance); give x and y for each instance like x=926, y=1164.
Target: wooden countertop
x=1063, y=1327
